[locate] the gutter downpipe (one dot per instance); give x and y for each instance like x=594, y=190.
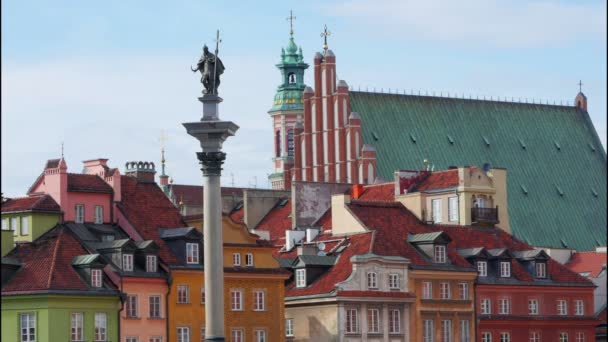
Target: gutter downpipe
x=169, y=282
x=475, y=308
x=122, y=297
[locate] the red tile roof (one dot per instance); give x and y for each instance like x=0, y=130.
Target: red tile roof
x=379, y=192
x=438, y=180
x=587, y=262
x=47, y=264
x=44, y=203
x=238, y=216
x=276, y=221
x=324, y=221
x=87, y=183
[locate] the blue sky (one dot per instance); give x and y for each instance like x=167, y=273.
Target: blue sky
x=106, y=77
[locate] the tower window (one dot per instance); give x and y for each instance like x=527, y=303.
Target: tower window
x=290, y=142
x=291, y=78
x=277, y=144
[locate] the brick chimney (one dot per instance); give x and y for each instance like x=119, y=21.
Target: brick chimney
x=142, y=171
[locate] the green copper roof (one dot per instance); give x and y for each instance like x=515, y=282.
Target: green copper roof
x=556, y=165
x=290, y=92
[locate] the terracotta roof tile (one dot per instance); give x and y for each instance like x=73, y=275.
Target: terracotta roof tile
x=379, y=192
x=438, y=180
x=44, y=203
x=238, y=216
x=276, y=221
x=87, y=183
x=587, y=262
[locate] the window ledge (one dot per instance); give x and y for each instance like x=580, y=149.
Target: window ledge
x=132, y=318
x=183, y=303
x=156, y=318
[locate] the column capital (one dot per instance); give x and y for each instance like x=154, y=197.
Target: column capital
x=211, y=162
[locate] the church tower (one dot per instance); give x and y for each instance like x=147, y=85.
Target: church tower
x=287, y=109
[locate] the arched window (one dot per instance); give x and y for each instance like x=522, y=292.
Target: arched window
x=277, y=144
x=290, y=143
x=291, y=78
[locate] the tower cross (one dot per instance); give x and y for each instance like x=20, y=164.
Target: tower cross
x=291, y=18
x=580, y=86
x=325, y=34
x=62, y=150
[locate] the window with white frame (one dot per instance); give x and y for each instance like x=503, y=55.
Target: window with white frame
x=373, y=320
x=25, y=226
x=580, y=336
x=372, y=280
x=541, y=270
x=579, y=307
x=127, y=262
x=301, y=277
x=151, y=263
x=393, y=281
x=504, y=306
x=534, y=336
x=98, y=214
x=203, y=294
x=79, y=211
x=563, y=337
x=132, y=339
x=562, y=307
x=505, y=337
x=446, y=330
x=505, y=269
x=289, y=327
x=428, y=330
x=486, y=306
x=260, y=335
x=183, y=334
x=394, y=321
x=154, y=302
x=203, y=333
x=27, y=323
x=482, y=268
x=249, y=259
x=156, y=339
x=352, y=321
x=236, y=300
x=463, y=291
x=236, y=259
x=14, y=224
x=427, y=290
x=533, y=306
x=439, y=255
x=192, y=253
x=96, y=277
x=453, y=209
x=237, y=335
x=444, y=290
x=465, y=330
x=183, y=294
x=101, y=326
x=77, y=326
x=132, y=306
x=486, y=337
x=259, y=300
x=436, y=206
x=4, y=226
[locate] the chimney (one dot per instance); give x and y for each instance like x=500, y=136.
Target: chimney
x=96, y=167
x=142, y=171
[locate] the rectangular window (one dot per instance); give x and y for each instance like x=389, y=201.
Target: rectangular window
x=98, y=214
x=289, y=327
x=486, y=306
x=439, y=255
x=249, y=259
x=260, y=335
x=580, y=337
x=562, y=307
x=101, y=327
x=96, y=277
x=504, y=306
x=505, y=337
x=465, y=330
x=192, y=253
x=28, y=327
x=25, y=227
x=151, y=263
x=127, y=262
x=183, y=334
x=203, y=294
x=183, y=294
x=534, y=336
x=132, y=339
x=394, y=321
x=436, y=205
x=579, y=307
x=453, y=209
x=446, y=330
x=203, y=333
x=236, y=259
x=301, y=278
x=237, y=335
x=154, y=306
x=427, y=290
x=352, y=321
x=463, y=291
x=444, y=290
x=428, y=330
x=533, y=306
x=541, y=270
x=482, y=268
x=505, y=269
x=156, y=339
x=79, y=211
x=77, y=324
x=259, y=300
x=14, y=224
x=372, y=280
x=236, y=300
x=393, y=281
x=373, y=321
x=563, y=337
x=486, y=337
x=4, y=227
x=132, y=306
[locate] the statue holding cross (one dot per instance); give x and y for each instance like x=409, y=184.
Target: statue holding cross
x=211, y=67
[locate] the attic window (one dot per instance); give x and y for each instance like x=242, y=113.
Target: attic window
x=413, y=138
x=595, y=194
x=450, y=139
x=300, y=278
x=486, y=141
x=375, y=136
x=591, y=147
x=439, y=254
x=524, y=189
x=557, y=146
x=523, y=145
x=559, y=190
x=96, y=277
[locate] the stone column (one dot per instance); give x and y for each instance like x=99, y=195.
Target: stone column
x=211, y=132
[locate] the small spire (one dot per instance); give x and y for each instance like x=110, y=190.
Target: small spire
x=62, y=150
x=291, y=18
x=325, y=34
x=580, y=86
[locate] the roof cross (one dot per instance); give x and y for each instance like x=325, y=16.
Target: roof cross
x=325, y=34
x=580, y=86
x=291, y=18
x=62, y=150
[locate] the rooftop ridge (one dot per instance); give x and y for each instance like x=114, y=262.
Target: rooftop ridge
x=55, y=250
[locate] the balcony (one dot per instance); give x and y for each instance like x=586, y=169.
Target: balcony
x=484, y=216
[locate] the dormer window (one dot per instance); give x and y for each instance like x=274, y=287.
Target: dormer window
x=505, y=269
x=439, y=255
x=482, y=268
x=393, y=281
x=372, y=280
x=79, y=213
x=541, y=270
x=127, y=262
x=300, y=278
x=151, y=263
x=96, y=277
x=98, y=214
x=192, y=253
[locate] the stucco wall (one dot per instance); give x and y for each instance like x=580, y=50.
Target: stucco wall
x=7, y=241
x=314, y=323
x=145, y=327
x=311, y=200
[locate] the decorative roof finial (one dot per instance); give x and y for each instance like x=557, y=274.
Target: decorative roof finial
x=62, y=150
x=324, y=34
x=580, y=86
x=291, y=18
x=162, y=139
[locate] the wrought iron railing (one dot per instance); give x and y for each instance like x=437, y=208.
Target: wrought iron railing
x=484, y=215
